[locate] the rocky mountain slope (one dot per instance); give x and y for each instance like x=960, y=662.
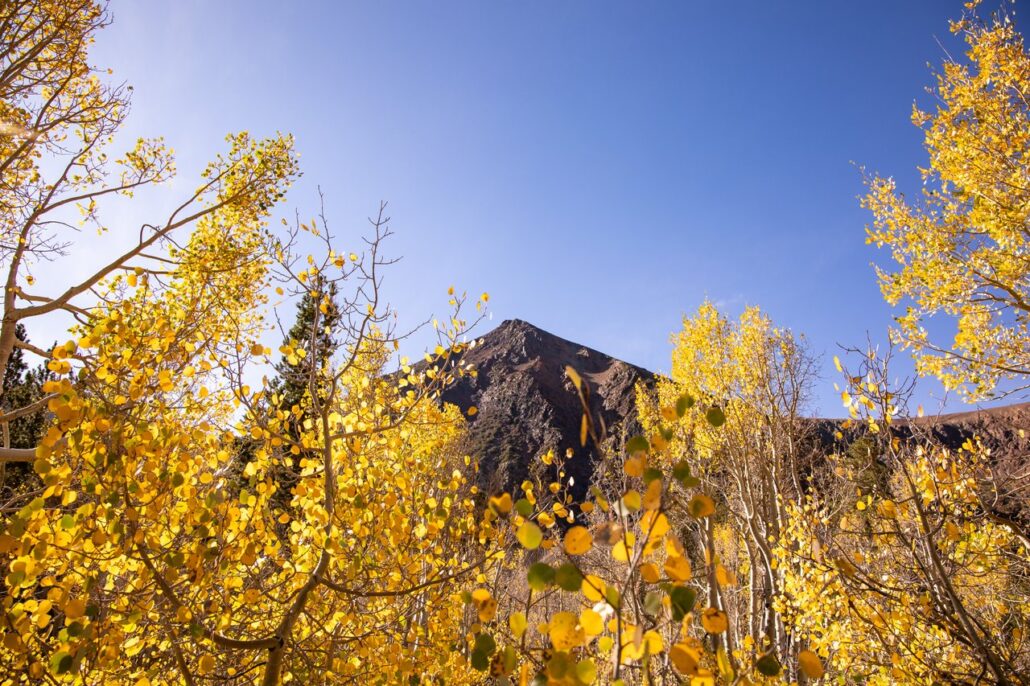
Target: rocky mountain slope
x=526, y=405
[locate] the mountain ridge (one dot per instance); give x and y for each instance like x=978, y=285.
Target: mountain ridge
x=526, y=405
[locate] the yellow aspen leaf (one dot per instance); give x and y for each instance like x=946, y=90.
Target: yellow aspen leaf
x=810, y=664
x=578, y=540
x=654, y=642
x=634, y=466
x=592, y=622
x=701, y=506
x=678, y=568
x=517, y=624
x=75, y=608
x=529, y=535
x=684, y=658
x=722, y=660
x=702, y=678
x=593, y=588
x=623, y=548
x=652, y=499
x=714, y=621
x=565, y=632
x=631, y=500
x=502, y=503
x=486, y=605
x=206, y=664
x=654, y=525
x=586, y=672
x=649, y=573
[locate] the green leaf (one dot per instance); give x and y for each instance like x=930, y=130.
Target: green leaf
x=586, y=672
x=510, y=659
x=485, y=643
x=653, y=603
x=682, y=473
x=61, y=662
x=637, y=444
x=559, y=665
x=683, y=403
x=524, y=507
x=480, y=660
x=768, y=665
x=568, y=578
x=682, y=599
x=715, y=416
x=540, y=576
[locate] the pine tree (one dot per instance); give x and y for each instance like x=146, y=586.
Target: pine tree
x=22, y=386
x=312, y=332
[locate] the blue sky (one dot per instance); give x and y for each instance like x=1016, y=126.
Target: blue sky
x=598, y=167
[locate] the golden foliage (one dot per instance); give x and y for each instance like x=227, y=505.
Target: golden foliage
x=961, y=249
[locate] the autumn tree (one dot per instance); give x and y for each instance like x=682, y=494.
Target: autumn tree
x=907, y=578
x=608, y=590
x=753, y=379
x=960, y=249
x=140, y=560
x=60, y=117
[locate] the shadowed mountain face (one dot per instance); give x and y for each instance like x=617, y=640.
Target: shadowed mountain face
x=527, y=405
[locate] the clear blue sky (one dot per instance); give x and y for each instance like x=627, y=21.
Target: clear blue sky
x=598, y=167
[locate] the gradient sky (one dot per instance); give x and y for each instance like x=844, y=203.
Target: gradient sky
x=598, y=167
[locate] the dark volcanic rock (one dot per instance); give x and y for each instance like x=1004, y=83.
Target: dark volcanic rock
x=527, y=405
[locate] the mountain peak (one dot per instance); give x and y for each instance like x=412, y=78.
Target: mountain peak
x=526, y=405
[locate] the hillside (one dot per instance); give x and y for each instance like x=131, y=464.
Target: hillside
x=526, y=405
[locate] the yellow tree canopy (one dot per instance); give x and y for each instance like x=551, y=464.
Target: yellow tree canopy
x=961, y=249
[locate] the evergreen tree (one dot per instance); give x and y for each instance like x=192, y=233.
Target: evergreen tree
x=22, y=386
x=312, y=332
